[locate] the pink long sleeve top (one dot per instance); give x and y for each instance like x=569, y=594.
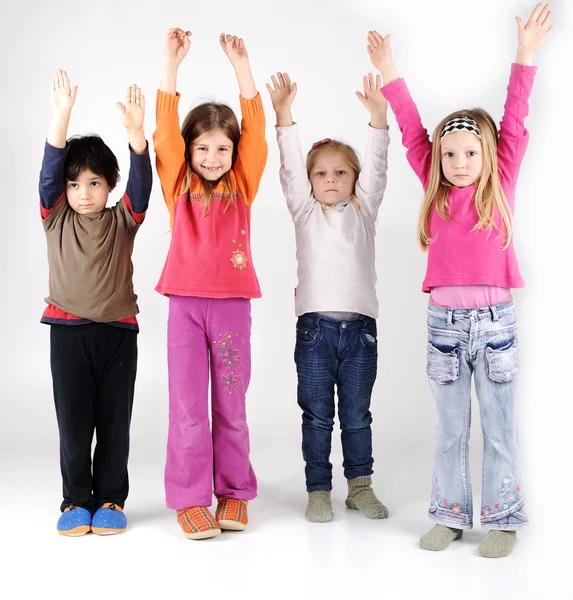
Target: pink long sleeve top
x=460, y=256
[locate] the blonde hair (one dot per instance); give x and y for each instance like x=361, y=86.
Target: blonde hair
x=331, y=147
x=204, y=118
x=489, y=197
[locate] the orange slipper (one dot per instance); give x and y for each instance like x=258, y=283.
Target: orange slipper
x=232, y=514
x=197, y=523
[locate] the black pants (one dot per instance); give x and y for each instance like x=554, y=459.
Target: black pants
x=93, y=373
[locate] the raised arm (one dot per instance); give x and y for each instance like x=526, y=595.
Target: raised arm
x=294, y=180
x=513, y=136
x=372, y=179
x=138, y=190
x=252, y=150
x=52, y=179
x=167, y=140
x=414, y=136
x=234, y=48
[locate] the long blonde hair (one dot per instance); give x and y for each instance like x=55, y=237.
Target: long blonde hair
x=207, y=117
x=331, y=146
x=489, y=197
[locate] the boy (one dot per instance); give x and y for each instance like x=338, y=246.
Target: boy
x=92, y=307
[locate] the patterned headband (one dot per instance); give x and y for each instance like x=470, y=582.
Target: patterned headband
x=461, y=124
x=324, y=141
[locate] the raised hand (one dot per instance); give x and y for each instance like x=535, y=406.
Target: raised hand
x=380, y=54
x=234, y=48
x=132, y=112
x=63, y=95
x=177, y=44
x=532, y=34
x=374, y=101
x=282, y=92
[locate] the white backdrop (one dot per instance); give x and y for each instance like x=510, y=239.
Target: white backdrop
x=453, y=54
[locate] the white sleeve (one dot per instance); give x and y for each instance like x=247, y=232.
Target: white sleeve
x=294, y=180
x=372, y=179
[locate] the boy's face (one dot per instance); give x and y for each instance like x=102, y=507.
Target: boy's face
x=88, y=193
x=212, y=155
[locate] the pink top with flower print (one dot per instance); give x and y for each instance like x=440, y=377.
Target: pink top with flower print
x=209, y=256
x=460, y=256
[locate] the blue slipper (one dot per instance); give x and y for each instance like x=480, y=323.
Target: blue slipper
x=109, y=519
x=74, y=521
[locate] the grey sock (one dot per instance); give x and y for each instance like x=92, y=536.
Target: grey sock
x=439, y=537
x=361, y=497
x=497, y=544
x=319, y=507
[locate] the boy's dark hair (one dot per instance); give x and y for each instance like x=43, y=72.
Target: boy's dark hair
x=91, y=152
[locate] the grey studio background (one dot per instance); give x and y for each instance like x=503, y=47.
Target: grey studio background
x=453, y=54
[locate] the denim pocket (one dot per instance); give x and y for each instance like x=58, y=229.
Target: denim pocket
x=442, y=366
x=307, y=334
x=368, y=335
x=502, y=363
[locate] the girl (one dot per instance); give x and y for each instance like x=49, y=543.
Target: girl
x=210, y=172
x=334, y=206
x=469, y=173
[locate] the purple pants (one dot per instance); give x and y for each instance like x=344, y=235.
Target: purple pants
x=203, y=334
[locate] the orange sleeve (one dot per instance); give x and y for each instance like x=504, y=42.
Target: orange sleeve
x=252, y=151
x=169, y=148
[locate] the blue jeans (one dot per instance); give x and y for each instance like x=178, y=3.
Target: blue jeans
x=482, y=342
x=344, y=353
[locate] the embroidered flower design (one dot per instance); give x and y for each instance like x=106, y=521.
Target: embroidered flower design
x=496, y=507
x=445, y=501
x=229, y=381
x=486, y=511
x=518, y=488
x=243, y=232
x=239, y=259
x=229, y=356
x=456, y=509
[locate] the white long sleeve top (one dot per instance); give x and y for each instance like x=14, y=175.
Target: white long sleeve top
x=334, y=245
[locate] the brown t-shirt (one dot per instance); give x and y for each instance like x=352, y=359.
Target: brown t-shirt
x=89, y=259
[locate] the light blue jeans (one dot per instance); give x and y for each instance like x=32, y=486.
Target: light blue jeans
x=482, y=342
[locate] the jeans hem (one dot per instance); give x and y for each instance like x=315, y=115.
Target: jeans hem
x=503, y=526
x=320, y=489
x=450, y=522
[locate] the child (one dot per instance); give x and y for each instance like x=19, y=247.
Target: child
x=334, y=205
x=92, y=307
x=210, y=172
x=469, y=173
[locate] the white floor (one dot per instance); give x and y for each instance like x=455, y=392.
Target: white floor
x=279, y=556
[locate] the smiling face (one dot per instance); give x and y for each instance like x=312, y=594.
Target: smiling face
x=212, y=155
x=87, y=193
x=332, y=179
x=461, y=158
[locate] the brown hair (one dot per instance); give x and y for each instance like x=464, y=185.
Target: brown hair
x=331, y=147
x=199, y=121
x=489, y=197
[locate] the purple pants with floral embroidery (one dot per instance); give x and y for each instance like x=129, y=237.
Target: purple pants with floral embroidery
x=208, y=336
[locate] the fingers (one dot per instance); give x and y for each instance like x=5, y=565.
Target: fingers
x=378, y=82
x=520, y=23
x=121, y=108
x=546, y=19
x=133, y=95
x=535, y=14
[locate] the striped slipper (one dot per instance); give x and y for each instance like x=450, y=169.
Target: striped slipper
x=232, y=514
x=197, y=523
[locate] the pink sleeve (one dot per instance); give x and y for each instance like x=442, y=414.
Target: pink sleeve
x=414, y=137
x=513, y=137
